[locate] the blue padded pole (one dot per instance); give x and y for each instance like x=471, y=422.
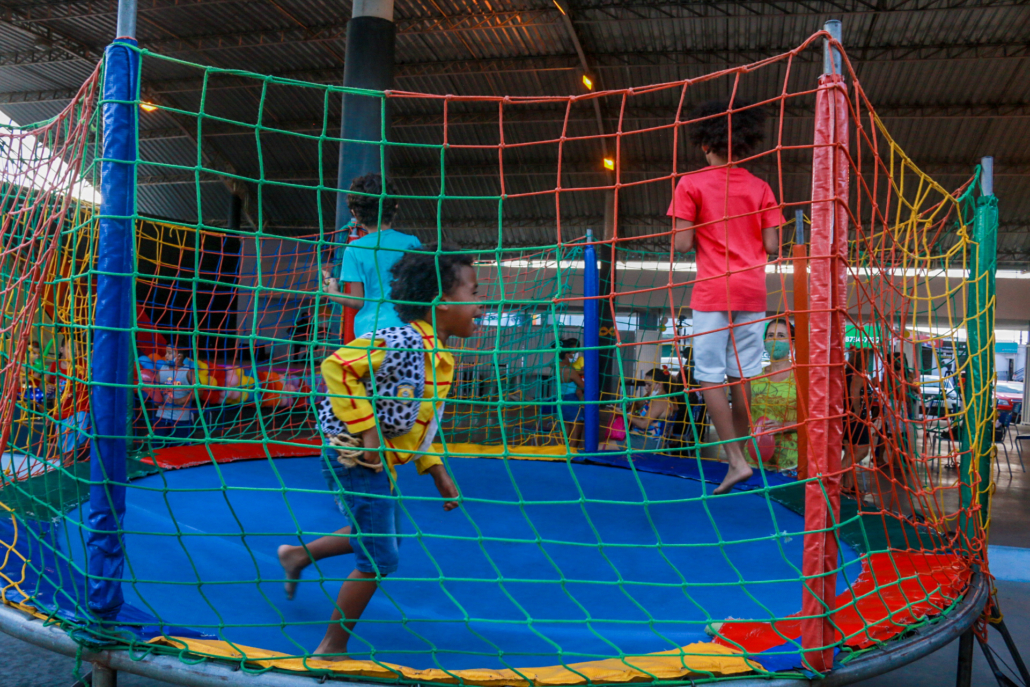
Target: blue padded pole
x=591, y=356
x=112, y=330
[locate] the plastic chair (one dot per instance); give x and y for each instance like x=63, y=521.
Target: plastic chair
x=1017, y=412
x=1001, y=435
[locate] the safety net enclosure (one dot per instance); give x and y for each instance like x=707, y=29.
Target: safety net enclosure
x=161, y=381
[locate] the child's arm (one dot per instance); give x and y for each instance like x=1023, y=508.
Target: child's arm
x=657, y=410
x=771, y=240
x=348, y=300
x=444, y=485
x=682, y=235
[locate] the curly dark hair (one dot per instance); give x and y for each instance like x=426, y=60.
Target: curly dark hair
x=366, y=208
x=415, y=283
x=714, y=132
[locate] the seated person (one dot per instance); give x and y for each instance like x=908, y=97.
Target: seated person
x=71, y=401
x=571, y=389
x=648, y=416
x=174, y=416
x=774, y=397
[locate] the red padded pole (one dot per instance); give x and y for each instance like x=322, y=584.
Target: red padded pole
x=828, y=302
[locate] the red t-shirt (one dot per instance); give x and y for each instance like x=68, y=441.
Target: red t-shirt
x=727, y=238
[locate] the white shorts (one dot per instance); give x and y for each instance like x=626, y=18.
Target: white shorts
x=722, y=351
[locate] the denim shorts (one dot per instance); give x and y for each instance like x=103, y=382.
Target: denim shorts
x=364, y=497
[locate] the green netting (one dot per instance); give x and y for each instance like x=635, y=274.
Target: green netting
x=557, y=565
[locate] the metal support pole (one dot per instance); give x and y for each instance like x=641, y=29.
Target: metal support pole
x=609, y=366
x=113, y=322
x=126, y=27
x=103, y=676
x=365, y=125
x=801, y=359
x=978, y=438
x=591, y=354
x=832, y=61
x=964, y=677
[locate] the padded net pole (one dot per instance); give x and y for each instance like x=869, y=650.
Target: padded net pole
x=828, y=303
x=112, y=342
x=978, y=437
x=592, y=356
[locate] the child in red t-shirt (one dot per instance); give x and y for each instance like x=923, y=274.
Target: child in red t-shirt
x=731, y=218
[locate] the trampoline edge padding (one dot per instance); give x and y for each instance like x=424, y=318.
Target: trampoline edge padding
x=889, y=656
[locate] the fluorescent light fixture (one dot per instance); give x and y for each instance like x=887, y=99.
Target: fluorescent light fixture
x=609, y=163
x=147, y=107
x=588, y=82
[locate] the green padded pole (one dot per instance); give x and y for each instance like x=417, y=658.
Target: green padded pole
x=978, y=437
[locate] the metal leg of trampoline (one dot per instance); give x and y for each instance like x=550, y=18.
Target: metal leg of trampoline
x=99, y=676
x=965, y=660
x=1003, y=680
x=999, y=624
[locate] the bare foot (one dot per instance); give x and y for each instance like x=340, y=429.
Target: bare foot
x=328, y=652
x=733, y=477
x=292, y=566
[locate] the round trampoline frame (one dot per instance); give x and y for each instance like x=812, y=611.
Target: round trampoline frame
x=214, y=673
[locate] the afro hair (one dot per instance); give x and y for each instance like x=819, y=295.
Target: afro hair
x=423, y=275
x=372, y=209
x=713, y=132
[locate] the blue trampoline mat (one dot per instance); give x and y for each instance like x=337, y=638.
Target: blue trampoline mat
x=594, y=561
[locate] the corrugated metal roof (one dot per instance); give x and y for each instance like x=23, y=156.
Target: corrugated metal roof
x=950, y=79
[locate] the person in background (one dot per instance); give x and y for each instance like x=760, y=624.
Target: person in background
x=173, y=420
x=691, y=415
x=570, y=393
x=68, y=377
x=775, y=395
x=367, y=261
x=858, y=416
x=648, y=415
x=731, y=218
x=897, y=480
x=301, y=335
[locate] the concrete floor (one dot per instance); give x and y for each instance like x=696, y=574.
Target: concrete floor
x=23, y=665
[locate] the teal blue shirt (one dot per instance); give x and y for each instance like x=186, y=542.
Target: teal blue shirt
x=368, y=260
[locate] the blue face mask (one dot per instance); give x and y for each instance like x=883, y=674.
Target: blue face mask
x=777, y=350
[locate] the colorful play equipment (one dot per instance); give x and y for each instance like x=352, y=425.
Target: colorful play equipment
x=567, y=562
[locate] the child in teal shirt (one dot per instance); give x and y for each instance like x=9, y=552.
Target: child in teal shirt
x=367, y=261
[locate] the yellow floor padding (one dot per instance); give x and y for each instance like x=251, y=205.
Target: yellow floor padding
x=691, y=660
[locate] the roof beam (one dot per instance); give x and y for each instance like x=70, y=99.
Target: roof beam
x=60, y=43
x=913, y=52
x=47, y=10
x=337, y=31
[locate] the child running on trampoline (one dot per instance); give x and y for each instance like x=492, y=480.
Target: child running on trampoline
x=369, y=438
x=731, y=218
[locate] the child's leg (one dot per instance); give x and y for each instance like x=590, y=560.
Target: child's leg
x=354, y=596
x=295, y=558
x=723, y=418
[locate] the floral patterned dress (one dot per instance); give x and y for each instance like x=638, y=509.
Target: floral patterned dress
x=777, y=401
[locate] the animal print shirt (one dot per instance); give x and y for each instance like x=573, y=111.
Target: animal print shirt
x=368, y=381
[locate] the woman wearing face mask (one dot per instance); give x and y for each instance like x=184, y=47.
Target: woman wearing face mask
x=774, y=396
x=571, y=390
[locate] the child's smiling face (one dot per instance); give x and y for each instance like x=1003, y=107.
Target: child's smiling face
x=457, y=315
